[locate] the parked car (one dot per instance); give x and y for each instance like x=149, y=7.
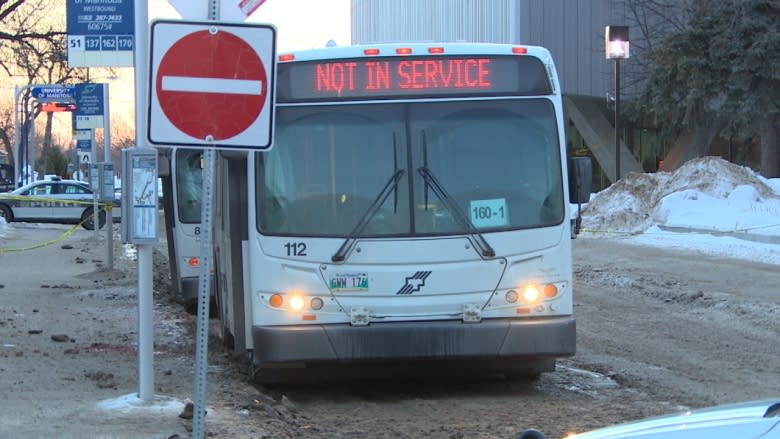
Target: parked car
x=21, y=204
x=754, y=420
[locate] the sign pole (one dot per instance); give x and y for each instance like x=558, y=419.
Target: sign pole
x=107, y=160
x=17, y=138
x=202, y=337
x=31, y=147
x=94, y=181
x=145, y=251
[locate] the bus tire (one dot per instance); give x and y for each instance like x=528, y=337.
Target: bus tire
x=528, y=371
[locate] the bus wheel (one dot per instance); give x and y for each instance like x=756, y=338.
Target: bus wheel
x=527, y=370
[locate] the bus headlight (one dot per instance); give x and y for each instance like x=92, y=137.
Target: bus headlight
x=531, y=294
x=316, y=303
x=511, y=296
x=296, y=303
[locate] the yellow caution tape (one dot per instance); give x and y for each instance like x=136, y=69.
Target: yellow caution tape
x=55, y=240
x=49, y=200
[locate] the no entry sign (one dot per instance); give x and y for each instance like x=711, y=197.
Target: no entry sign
x=211, y=84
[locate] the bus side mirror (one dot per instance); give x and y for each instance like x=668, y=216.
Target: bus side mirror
x=580, y=179
x=580, y=182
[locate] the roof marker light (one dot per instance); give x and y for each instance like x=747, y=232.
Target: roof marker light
x=519, y=50
x=286, y=57
x=403, y=51
x=435, y=50
x=370, y=52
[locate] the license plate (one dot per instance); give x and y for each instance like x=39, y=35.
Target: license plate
x=348, y=282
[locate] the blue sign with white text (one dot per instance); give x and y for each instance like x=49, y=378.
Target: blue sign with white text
x=53, y=93
x=89, y=99
x=101, y=17
x=101, y=33
x=84, y=145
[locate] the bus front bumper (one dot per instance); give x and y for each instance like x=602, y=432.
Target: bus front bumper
x=496, y=338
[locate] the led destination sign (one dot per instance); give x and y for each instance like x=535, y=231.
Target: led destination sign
x=406, y=77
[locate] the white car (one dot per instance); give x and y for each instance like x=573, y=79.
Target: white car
x=39, y=201
x=748, y=420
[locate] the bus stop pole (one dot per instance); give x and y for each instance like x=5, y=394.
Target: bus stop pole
x=94, y=182
x=145, y=251
x=107, y=160
x=17, y=138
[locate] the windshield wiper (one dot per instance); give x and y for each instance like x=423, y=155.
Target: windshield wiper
x=390, y=186
x=432, y=182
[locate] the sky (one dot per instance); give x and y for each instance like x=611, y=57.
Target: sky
x=707, y=205
x=300, y=24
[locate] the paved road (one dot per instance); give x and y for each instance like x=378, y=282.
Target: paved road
x=703, y=327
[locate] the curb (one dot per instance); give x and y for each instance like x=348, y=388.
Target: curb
x=764, y=239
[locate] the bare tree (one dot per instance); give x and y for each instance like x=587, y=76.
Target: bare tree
x=7, y=129
x=650, y=22
x=33, y=46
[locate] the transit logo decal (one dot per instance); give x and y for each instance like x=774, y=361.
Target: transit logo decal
x=414, y=283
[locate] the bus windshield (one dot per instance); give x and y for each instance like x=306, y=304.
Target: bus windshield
x=189, y=186
x=496, y=160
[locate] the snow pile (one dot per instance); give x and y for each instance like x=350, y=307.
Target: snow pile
x=688, y=198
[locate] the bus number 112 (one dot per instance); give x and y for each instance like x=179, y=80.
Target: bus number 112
x=295, y=248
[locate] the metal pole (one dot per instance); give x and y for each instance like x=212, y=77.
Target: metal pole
x=94, y=182
x=204, y=296
x=145, y=297
x=107, y=160
x=17, y=138
x=31, y=147
x=617, y=119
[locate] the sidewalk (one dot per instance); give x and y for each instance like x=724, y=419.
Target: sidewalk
x=68, y=336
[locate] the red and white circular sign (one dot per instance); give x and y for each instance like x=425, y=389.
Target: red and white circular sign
x=218, y=92
x=210, y=84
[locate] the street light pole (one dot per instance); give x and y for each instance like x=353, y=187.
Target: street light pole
x=617, y=119
x=616, y=47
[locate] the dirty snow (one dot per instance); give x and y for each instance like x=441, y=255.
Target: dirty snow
x=708, y=204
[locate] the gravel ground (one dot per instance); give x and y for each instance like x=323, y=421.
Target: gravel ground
x=658, y=331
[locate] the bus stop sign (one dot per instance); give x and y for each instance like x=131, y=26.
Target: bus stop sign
x=212, y=84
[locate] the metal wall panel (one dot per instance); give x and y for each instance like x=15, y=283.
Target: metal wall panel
x=378, y=21
x=573, y=31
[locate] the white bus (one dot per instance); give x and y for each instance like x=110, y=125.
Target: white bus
x=413, y=211
x=182, y=191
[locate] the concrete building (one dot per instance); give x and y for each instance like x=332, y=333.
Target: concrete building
x=573, y=31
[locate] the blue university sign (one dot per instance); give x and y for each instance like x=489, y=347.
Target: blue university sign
x=53, y=93
x=90, y=106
